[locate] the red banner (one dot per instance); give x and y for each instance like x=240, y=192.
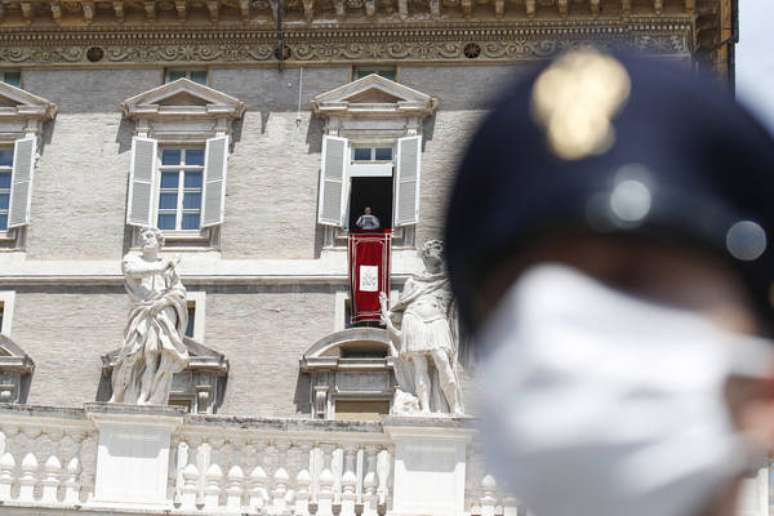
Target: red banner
x=369, y=272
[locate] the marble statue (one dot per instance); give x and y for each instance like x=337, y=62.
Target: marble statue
x=421, y=325
x=153, y=349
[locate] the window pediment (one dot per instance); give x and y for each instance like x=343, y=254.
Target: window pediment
x=12, y=357
x=16, y=369
x=16, y=103
x=182, y=98
x=22, y=113
x=374, y=95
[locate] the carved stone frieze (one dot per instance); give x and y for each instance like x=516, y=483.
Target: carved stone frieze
x=435, y=43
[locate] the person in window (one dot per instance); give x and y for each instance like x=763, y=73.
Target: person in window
x=368, y=221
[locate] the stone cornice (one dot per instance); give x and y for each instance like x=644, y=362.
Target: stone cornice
x=470, y=41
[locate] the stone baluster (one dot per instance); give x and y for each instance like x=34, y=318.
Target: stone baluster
x=212, y=490
x=349, y=482
x=181, y=461
x=71, y=484
x=325, y=493
x=28, y=479
x=7, y=471
x=281, y=478
x=88, y=465
x=303, y=484
x=488, y=500
x=234, y=490
x=203, y=459
x=370, y=483
x=280, y=491
x=53, y=472
x=189, y=492
x=510, y=506
x=383, y=469
x=258, y=493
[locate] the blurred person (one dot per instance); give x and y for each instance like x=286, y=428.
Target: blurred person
x=368, y=221
x=609, y=245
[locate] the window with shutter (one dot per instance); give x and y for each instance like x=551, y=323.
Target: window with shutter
x=332, y=181
x=21, y=182
x=6, y=172
x=407, y=178
x=180, y=189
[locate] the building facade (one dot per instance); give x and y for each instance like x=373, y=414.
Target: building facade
x=253, y=133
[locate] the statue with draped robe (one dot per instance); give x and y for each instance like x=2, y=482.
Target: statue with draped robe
x=153, y=349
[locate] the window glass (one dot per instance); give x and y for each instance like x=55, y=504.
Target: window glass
x=6, y=157
x=166, y=221
x=194, y=157
x=191, y=221
x=189, y=329
x=386, y=71
x=362, y=154
x=6, y=169
x=199, y=76
x=168, y=201
x=169, y=179
x=193, y=179
x=180, y=193
x=13, y=78
x=173, y=75
x=383, y=154
x=171, y=156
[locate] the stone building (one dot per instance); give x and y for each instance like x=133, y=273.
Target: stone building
x=253, y=130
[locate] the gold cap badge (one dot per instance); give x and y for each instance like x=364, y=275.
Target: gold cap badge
x=575, y=99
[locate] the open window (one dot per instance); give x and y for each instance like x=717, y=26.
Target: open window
x=371, y=157
x=179, y=161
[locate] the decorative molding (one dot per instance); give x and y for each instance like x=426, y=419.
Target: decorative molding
x=471, y=42
x=374, y=96
x=182, y=109
x=21, y=112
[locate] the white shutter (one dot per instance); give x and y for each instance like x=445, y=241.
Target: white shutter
x=142, y=177
x=407, y=180
x=214, y=193
x=332, y=181
x=21, y=182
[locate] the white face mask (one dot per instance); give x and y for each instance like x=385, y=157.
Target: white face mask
x=595, y=403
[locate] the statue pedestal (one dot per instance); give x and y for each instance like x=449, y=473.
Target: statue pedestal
x=133, y=453
x=430, y=457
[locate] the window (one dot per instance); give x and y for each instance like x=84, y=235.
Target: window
x=197, y=305
x=6, y=170
x=368, y=154
x=375, y=176
x=12, y=77
x=361, y=410
x=387, y=71
x=189, y=329
x=180, y=191
x=198, y=76
x=6, y=311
